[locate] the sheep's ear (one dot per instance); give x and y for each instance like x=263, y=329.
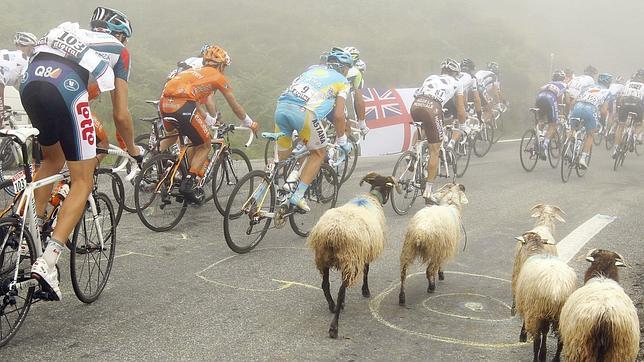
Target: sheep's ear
x=589, y=255
x=391, y=182
x=536, y=210
x=461, y=187
x=620, y=261
x=368, y=178
x=558, y=209
x=463, y=198
x=520, y=238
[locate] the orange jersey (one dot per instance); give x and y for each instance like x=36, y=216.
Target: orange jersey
x=196, y=84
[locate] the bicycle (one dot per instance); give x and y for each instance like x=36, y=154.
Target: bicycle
x=21, y=243
x=628, y=142
x=410, y=171
x=532, y=145
x=497, y=122
x=10, y=155
x=160, y=205
x=572, y=149
x=259, y=199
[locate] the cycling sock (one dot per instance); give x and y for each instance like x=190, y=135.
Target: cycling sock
x=428, y=189
x=52, y=252
x=299, y=192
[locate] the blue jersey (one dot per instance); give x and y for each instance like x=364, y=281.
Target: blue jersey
x=316, y=90
x=556, y=88
x=595, y=95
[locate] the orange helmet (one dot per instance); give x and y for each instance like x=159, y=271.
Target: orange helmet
x=216, y=54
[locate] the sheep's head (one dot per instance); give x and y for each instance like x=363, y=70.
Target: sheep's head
x=451, y=194
x=381, y=184
x=532, y=242
x=547, y=213
x=603, y=263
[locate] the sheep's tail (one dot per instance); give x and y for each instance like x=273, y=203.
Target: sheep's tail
x=602, y=335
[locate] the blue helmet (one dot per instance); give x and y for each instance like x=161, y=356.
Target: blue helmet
x=111, y=21
x=605, y=79
x=339, y=57
x=558, y=76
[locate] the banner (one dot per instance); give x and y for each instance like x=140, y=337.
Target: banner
x=387, y=115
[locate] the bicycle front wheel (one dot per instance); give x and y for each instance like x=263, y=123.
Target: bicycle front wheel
x=567, y=160
x=321, y=195
x=529, y=150
x=403, y=173
x=14, y=304
x=554, y=150
x=231, y=166
x=498, y=130
x=90, y=261
x=463, y=153
x=483, y=140
x=249, y=211
x=118, y=190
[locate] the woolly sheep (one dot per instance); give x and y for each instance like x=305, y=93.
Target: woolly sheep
x=433, y=235
x=543, y=285
x=599, y=321
x=349, y=238
x=545, y=227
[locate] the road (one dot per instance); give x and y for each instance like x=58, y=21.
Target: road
x=184, y=295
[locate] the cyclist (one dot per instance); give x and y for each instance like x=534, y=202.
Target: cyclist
x=489, y=88
x=548, y=99
x=569, y=75
x=13, y=63
x=180, y=101
x=355, y=76
x=320, y=90
x=470, y=90
x=54, y=95
x=631, y=99
x=591, y=101
x=578, y=84
x=427, y=108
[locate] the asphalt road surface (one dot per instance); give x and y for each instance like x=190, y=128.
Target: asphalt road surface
x=184, y=295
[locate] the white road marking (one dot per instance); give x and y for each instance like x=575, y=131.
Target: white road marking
x=510, y=140
x=573, y=242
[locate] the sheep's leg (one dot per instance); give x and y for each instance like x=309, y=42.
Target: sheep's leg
x=403, y=276
x=365, y=282
x=523, y=335
x=536, y=345
x=325, y=288
x=555, y=327
x=441, y=276
x=431, y=279
x=545, y=326
x=513, y=310
x=333, y=329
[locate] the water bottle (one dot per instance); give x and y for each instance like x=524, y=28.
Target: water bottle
x=60, y=194
x=331, y=155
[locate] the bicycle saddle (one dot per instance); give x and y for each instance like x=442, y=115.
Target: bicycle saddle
x=21, y=133
x=171, y=120
x=273, y=136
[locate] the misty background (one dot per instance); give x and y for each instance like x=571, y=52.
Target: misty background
x=402, y=42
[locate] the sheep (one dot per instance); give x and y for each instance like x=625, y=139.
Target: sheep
x=543, y=285
x=545, y=227
x=599, y=321
x=433, y=235
x=349, y=238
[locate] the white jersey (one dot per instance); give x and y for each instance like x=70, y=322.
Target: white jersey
x=615, y=89
x=486, y=80
x=578, y=84
x=12, y=65
x=440, y=87
x=467, y=82
x=595, y=95
x=633, y=90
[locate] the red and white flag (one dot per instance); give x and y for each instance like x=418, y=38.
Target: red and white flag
x=387, y=115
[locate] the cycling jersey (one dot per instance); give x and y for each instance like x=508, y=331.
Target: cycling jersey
x=440, y=88
x=190, y=63
x=354, y=76
x=633, y=90
x=554, y=87
x=486, y=80
x=615, y=89
x=195, y=85
x=631, y=100
x=548, y=100
x=467, y=81
x=595, y=95
x=578, y=84
x=12, y=65
x=316, y=90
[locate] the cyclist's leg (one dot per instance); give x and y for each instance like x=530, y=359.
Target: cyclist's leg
x=621, y=121
x=552, y=116
x=430, y=113
x=590, y=115
x=286, y=121
x=193, y=126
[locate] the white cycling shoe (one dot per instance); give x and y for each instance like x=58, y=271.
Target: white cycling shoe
x=48, y=278
x=582, y=163
x=302, y=205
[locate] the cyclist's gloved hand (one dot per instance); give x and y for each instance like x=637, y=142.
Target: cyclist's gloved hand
x=139, y=157
x=247, y=122
x=346, y=146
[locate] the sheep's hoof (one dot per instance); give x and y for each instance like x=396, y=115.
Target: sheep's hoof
x=431, y=287
x=401, y=299
x=333, y=332
x=523, y=337
x=513, y=311
x=441, y=276
x=366, y=293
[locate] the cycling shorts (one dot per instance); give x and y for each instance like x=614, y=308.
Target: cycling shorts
x=627, y=108
x=292, y=117
x=548, y=106
x=54, y=95
x=189, y=121
x=586, y=112
x=430, y=112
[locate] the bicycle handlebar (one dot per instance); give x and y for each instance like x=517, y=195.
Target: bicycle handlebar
x=116, y=151
x=232, y=128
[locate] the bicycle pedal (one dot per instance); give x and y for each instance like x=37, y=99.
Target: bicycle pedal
x=45, y=295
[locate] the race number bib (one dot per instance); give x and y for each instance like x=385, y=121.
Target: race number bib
x=19, y=181
x=301, y=91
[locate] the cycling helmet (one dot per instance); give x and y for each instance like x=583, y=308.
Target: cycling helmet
x=558, y=76
x=203, y=49
x=339, y=57
x=605, y=79
x=590, y=70
x=467, y=65
x=323, y=57
x=361, y=65
x=355, y=53
x=569, y=72
x=451, y=65
x=111, y=21
x=24, y=39
x=493, y=67
x=639, y=76
x=216, y=54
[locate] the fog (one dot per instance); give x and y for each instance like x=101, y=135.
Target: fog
x=272, y=41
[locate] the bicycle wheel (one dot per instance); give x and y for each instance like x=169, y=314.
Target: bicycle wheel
x=567, y=160
x=597, y=139
x=10, y=156
x=483, y=140
x=14, y=304
x=321, y=195
x=118, y=191
x=452, y=164
x=6, y=197
x=463, y=153
x=90, y=263
x=269, y=150
x=554, y=150
x=352, y=159
x=582, y=171
x=637, y=147
x=158, y=202
x=610, y=137
x=529, y=150
x=498, y=130
x=410, y=189
x=245, y=219
x=231, y=166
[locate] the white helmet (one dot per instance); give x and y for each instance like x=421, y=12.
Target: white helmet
x=361, y=65
x=24, y=39
x=355, y=53
x=451, y=65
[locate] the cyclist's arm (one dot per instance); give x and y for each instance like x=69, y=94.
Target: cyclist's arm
x=358, y=104
x=338, y=116
x=497, y=93
x=460, y=108
x=477, y=102
x=210, y=105
x=234, y=105
x=122, y=116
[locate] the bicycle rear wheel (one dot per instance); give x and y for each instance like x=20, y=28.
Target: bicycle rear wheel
x=245, y=219
x=118, y=190
x=158, y=202
x=90, y=263
x=269, y=149
x=582, y=171
x=610, y=137
x=14, y=304
x=7, y=195
x=529, y=150
x=554, y=150
x=321, y=195
x=463, y=153
x=483, y=140
x=567, y=160
x=597, y=139
x=410, y=189
x=498, y=130
x=231, y=166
